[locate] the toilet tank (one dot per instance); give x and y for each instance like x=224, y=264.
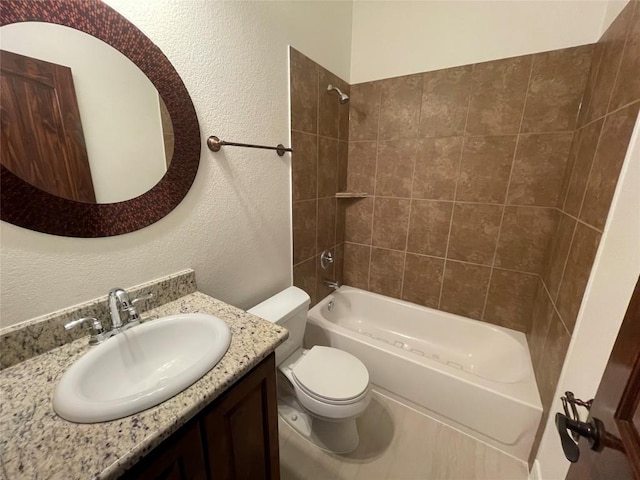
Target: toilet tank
x=289, y=309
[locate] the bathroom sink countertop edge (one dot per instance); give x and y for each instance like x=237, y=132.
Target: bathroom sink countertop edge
x=37, y=443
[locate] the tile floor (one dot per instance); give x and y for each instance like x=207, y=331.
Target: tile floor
x=398, y=443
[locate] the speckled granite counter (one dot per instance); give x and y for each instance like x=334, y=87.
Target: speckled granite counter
x=37, y=444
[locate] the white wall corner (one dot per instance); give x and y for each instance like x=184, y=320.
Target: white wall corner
x=611, y=10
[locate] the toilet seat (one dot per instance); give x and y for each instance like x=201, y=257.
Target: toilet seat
x=314, y=369
x=327, y=401
x=331, y=376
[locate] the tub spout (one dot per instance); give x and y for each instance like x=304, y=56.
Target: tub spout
x=332, y=284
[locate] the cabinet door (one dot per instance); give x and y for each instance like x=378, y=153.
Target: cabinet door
x=180, y=457
x=241, y=430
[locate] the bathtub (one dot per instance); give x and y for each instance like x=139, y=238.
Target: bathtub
x=471, y=375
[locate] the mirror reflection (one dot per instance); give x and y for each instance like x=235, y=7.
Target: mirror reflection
x=79, y=119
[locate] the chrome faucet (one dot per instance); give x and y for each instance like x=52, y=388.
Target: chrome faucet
x=332, y=284
x=119, y=302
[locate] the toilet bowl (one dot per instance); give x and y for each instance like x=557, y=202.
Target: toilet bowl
x=321, y=390
x=328, y=382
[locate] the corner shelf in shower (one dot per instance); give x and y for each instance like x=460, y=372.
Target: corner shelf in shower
x=351, y=195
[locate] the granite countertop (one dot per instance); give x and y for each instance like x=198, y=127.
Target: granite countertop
x=37, y=444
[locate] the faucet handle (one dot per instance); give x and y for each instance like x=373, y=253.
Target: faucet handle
x=142, y=298
x=134, y=317
x=95, y=325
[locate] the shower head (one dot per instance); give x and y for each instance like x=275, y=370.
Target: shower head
x=344, y=98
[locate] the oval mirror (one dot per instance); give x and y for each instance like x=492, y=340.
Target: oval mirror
x=68, y=171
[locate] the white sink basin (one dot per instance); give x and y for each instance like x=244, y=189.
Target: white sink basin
x=141, y=367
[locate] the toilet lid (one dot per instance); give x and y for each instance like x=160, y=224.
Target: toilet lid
x=331, y=373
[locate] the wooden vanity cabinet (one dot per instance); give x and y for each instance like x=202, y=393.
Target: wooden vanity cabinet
x=180, y=457
x=241, y=430
x=234, y=438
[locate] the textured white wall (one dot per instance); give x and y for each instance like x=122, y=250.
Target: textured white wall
x=115, y=100
x=234, y=227
x=393, y=38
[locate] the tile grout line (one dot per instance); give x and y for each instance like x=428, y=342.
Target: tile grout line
x=342, y=208
x=626, y=105
x=619, y=67
x=406, y=243
x=413, y=180
x=537, y=367
x=595, y=81
x=455, y=188
x=593, y=161
x=431, y=137
x=315, y=269
x=555, y=309
x=335, y=204
x=335, y=211
x=506, y=194
x=453, y=206
x=581, y=221
x=495, y=253
x=318, y=135
x=305, y=200
x=551, y=244
x=576, y=125
x=576, y=129
x=564, y=266
x=375, y=187
x=459, y=201
x=568, y=167
x=574, y=167
x=439, y=258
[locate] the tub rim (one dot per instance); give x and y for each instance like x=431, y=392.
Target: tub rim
x=525, y=392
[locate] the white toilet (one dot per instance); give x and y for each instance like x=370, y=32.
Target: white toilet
x=322, y=390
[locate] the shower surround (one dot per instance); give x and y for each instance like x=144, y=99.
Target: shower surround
x=464, y=168
x=319, y=134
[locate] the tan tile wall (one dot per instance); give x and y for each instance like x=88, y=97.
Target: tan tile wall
x=319, y=132
x=607, y=117
x=464, y=168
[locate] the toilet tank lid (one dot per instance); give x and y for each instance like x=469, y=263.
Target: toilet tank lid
x=281, y=305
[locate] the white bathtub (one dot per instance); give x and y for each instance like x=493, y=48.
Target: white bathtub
x=471, y=375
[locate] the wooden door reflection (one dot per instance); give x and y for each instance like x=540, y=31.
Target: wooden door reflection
x=42, y=137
